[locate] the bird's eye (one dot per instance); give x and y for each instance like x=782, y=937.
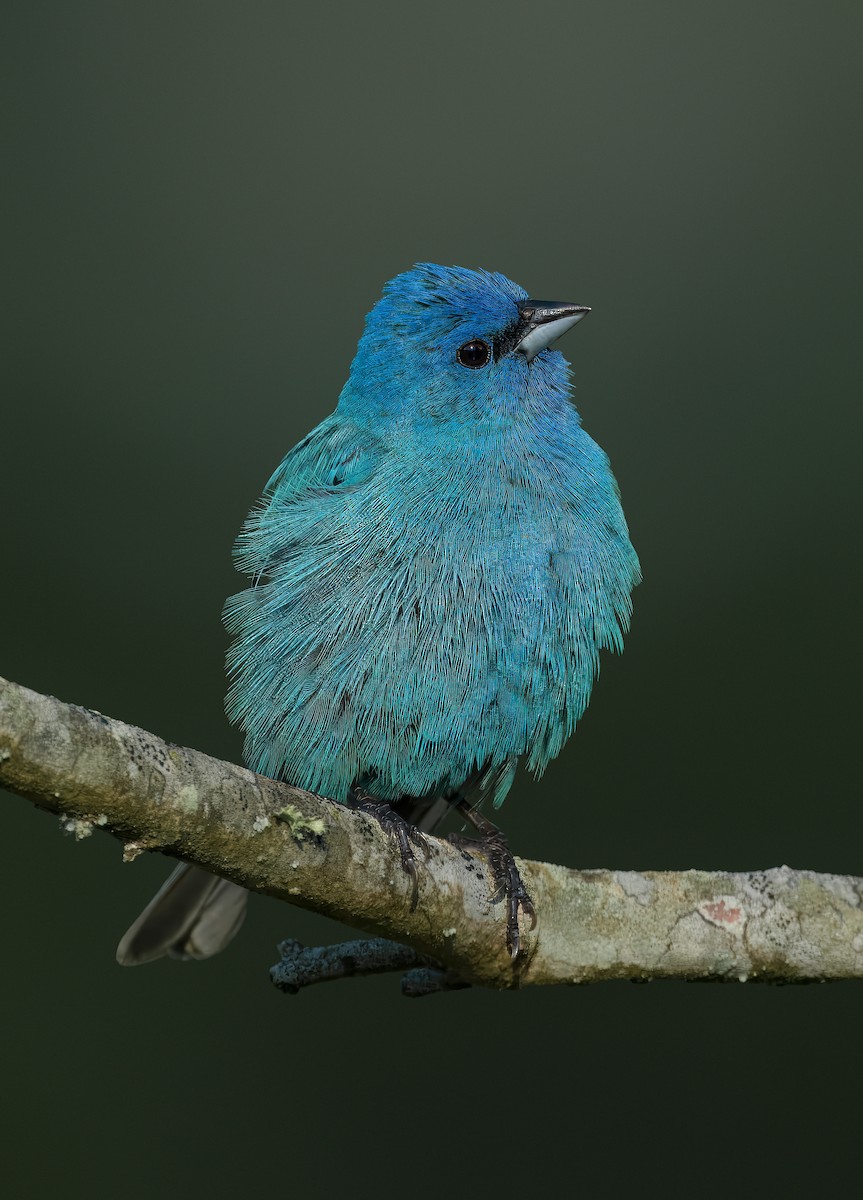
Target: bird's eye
x=474, y=354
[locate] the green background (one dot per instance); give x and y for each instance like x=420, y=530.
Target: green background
x=202, y=201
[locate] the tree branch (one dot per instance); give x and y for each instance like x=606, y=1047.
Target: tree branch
x=301, y=966
x=778, y=925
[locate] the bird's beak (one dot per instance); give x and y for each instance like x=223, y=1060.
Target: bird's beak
x=543, y=321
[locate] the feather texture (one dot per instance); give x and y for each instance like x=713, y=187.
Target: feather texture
x=435, y=569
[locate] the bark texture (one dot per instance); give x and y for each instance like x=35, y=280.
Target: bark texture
x=95, y=772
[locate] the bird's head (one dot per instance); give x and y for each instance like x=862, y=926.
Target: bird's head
x=448, y=343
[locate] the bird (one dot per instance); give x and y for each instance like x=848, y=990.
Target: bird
x=433, y=572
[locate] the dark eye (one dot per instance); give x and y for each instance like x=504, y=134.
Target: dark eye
x=474, y=354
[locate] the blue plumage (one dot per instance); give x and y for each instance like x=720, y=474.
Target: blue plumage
x=436, y=567
x=434, y=571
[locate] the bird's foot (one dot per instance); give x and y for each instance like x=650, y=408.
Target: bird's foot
x=405, y=836
x=510, y=887
x=509, y=884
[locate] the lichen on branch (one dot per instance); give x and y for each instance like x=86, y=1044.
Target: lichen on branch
x=96, y=772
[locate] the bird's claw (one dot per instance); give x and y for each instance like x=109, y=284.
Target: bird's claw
x=509, y=884
x=403, y=834
x=510, y=887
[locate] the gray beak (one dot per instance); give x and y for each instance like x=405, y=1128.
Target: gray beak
x=543, y=322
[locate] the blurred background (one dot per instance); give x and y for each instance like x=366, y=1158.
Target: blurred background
x=202, y=200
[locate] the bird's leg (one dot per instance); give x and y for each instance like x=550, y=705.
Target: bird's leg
x=510, y=885
x=401, y=832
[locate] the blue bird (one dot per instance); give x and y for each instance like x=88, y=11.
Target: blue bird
x=434, y=571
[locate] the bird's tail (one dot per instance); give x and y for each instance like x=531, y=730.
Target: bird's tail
x=193, y=915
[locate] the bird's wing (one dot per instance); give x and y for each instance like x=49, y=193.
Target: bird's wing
x=311, y=481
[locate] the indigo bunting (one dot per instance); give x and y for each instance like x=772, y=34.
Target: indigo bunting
x=434, y=571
